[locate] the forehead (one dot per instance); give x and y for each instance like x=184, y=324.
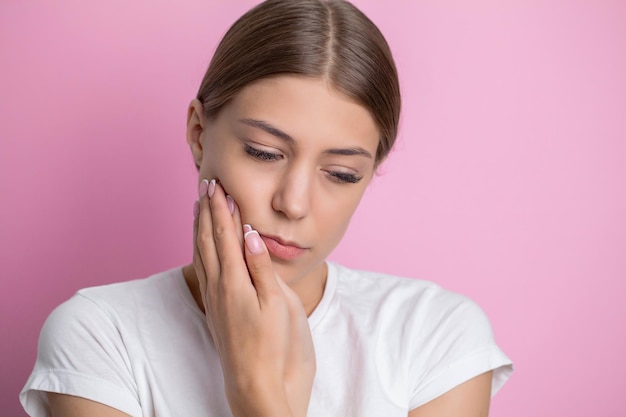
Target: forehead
x=306, y=109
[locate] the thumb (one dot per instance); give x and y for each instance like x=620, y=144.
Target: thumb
x=260, y=267
x=296, y=309
x=299, y=323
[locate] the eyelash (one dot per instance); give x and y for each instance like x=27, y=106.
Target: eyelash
x=345, y=178
x=261, y=155
x=340, y=177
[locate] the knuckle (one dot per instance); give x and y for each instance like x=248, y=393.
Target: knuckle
x=202, y=245
x=259, y=267
x=230, y=291
x=219, y=232
x=204, y=240
x=227, y=290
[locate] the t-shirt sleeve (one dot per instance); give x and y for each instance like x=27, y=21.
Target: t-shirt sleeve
x=459, y=344
x=81, y=352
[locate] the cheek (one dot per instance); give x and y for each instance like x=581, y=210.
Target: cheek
x=218, y=164
x=336, y=217
x=240, y=179
x=210, y=166
x=251, y=192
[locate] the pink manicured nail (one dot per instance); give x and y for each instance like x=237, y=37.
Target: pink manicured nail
x=231, y=204
x=196, y=209
x=247, y=228
x=211, y=188
x=203, y=187
x=254, y=242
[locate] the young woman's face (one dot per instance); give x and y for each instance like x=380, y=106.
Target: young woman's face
x=296, y=156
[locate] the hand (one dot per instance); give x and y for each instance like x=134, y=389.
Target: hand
x=300, y=366
x=257, y=322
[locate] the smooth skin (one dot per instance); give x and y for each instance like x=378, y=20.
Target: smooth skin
x=295, y=156
x=281, y=149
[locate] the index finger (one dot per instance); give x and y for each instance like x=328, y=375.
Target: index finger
x=226, y=235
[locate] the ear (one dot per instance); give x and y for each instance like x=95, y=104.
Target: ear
x=195, y=129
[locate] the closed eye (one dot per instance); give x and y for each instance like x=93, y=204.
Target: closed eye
x=344, y=177
x=337, y=176
x=261, y=155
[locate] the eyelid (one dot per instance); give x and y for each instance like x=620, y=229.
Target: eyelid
x=260, y=146
x=342, y=176
x=346, y=178
x=261, y=154
x=338, y=176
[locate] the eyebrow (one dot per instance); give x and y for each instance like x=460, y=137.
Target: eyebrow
x=287, y=138
x=269, y=129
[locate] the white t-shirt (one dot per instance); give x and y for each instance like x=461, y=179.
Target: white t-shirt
x=384, y=345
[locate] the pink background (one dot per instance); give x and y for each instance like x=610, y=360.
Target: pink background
x=508, y=183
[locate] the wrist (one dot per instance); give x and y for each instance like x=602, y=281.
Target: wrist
x=258, y=399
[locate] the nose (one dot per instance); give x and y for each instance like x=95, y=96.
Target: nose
x=292, y=198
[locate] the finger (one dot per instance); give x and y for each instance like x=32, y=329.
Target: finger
x=205, y=242
x=200, y=271
x=225, y=237
x=300, y=365
x=197, y=259
x=234, y=208
x=199, y=265
x=260, y=267
x=293, y=301
x=299, y=324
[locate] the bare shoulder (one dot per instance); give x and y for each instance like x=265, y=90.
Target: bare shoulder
x=71, y=406
x=470, y=399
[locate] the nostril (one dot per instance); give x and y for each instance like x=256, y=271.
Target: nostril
x=290, y=207
x=292, y=197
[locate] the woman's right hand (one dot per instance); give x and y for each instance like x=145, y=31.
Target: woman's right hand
x=257, y=322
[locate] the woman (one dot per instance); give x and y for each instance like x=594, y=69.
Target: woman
x=298, y=108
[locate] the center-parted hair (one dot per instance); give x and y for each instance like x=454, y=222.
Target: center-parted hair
x=315, y=38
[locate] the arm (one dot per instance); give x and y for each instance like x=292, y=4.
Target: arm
x=62, y=405
x=470, y=399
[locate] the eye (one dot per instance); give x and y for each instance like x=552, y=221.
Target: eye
x=343, y=177
x=261, y=155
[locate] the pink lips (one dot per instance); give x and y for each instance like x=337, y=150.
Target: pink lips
x=282, y=250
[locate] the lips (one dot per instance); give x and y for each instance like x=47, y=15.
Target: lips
x=282, y=249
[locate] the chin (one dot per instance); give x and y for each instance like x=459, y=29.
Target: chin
x=291, y=271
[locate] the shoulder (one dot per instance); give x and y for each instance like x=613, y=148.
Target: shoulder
x=91, y=345
x=150, y=289
x=100, y=312
x=442, y=338
x=424, y=301
x=443, y=326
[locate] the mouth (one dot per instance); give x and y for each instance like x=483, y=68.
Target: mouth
x=282, y=249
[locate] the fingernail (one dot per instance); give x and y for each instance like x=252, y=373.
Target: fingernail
x=231, y=204
x=196, y=209
x=254, y=242
x=211, y=188
x=203, y=187
x=246, y=228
